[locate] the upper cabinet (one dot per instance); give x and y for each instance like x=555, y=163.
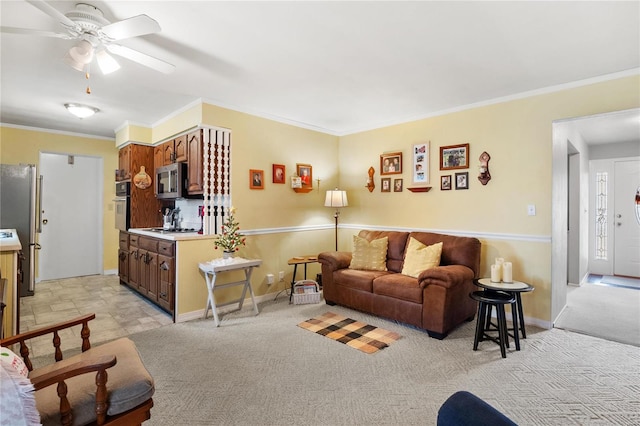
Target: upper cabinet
x=173, y=151
x=195, y=183
x=124, y=164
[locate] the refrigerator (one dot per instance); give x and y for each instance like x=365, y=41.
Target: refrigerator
x=18, y=193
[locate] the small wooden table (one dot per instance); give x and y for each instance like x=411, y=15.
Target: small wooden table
x=515, y=288
x=211, y=271
x=300, y=260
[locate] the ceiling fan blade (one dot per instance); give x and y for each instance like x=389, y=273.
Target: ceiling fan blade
x=28, y=31
x=131, y=27
x=54, y=13
x=141, y=58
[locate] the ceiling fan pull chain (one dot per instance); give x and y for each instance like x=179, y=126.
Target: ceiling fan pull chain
x=87, y=75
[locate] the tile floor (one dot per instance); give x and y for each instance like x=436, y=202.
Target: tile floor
x=119, y=310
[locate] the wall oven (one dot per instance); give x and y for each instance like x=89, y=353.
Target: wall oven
x=171, y=181
x=122, y=204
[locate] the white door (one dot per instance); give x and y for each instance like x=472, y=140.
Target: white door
x=71, y=238
x=626, y=220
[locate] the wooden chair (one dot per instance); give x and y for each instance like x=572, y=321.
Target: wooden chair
x=82, y=398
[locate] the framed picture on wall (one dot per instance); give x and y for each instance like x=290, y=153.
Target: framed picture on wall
x=445, y=183
x=305, y=172
x=391, y=163
x=397, y=185
x=385, y=185
x=278, y=173
x=256, y=179
x=462, y=180
x=420, y=164
x=454, y=157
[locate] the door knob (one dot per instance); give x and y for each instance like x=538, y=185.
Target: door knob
x=618, y=215
x=45, y=221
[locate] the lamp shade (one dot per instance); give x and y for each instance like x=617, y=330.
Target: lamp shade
x=336, y=198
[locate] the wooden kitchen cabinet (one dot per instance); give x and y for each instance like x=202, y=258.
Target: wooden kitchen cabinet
x=173, y=151
x=124, y=164
x=195, y=164
x=134, y=262
x=151, y=270
x=123, y=257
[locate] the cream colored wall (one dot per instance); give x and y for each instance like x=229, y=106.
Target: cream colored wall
x=24, y=146
x=283, y=224
x=518, y=136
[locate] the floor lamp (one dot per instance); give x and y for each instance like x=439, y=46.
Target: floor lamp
x=337, y=199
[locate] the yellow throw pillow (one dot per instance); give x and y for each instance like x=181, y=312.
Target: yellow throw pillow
x=420, y=257
x=371, y=256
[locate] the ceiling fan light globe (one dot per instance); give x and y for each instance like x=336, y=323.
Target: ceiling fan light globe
x=106, y=62
x=73, y=63
x=82, y=52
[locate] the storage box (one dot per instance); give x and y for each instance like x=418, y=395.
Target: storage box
x=306, y=291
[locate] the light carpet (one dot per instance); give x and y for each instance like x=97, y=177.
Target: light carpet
x=608, y=312
x=264, y=370
x=356, y=334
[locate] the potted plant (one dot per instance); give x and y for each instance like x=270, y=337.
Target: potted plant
x=231, y=239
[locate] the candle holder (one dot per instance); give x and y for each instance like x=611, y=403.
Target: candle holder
x=484, y=176
x=370, y=185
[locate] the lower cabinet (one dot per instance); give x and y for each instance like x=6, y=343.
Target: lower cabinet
x=148, y=266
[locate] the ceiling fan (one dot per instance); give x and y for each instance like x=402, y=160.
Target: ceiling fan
x=96, y=36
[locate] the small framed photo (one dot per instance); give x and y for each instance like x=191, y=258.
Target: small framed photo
x=296, y=182
x=462, y=180
x=278, y=173
x=256, y=179
x=391, y=163
x=397, y=185
x=421, y=164
x=445, y=183
x=305, y=172
x=454, y=157
x=385, y=185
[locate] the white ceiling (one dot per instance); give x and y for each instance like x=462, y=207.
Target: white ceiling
x=338, y=67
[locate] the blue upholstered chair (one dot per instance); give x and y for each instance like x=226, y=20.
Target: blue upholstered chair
x=465, y=409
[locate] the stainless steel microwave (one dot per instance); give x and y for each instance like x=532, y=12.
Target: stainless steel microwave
x=171, y=181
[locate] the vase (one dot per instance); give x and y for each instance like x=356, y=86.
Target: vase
x=227, y=254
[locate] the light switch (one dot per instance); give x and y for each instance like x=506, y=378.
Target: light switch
x=531, y=209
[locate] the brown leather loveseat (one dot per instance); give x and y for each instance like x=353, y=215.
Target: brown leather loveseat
x=436, y=301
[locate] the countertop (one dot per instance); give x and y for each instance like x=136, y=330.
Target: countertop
x=171, y=236
x=12, y=243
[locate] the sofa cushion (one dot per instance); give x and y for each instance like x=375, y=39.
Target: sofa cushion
x=398, y=286
x=455, y=250
x=420, y=257
x=369, y=255
x=357, y=279
x=129, y=384
x=395, y=249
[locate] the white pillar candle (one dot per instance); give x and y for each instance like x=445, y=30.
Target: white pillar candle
x=496, y=272
x=507, y=272
x=499, y=261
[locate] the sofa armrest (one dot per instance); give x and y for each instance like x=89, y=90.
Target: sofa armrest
x=447, y=276
x=335, y=260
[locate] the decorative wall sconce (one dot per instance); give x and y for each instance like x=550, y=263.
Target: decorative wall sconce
x=484, y=176
x=370, y=185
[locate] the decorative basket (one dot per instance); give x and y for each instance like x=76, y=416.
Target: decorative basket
x=306, y=291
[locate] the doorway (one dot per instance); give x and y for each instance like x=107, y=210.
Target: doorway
x=72, y=217
x=571, y=151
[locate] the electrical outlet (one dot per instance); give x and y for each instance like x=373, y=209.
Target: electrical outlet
x=281, y=276
x=531, y=209
x=269, y=279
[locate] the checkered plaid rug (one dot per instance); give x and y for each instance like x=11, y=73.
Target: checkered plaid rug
x=364, y=337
